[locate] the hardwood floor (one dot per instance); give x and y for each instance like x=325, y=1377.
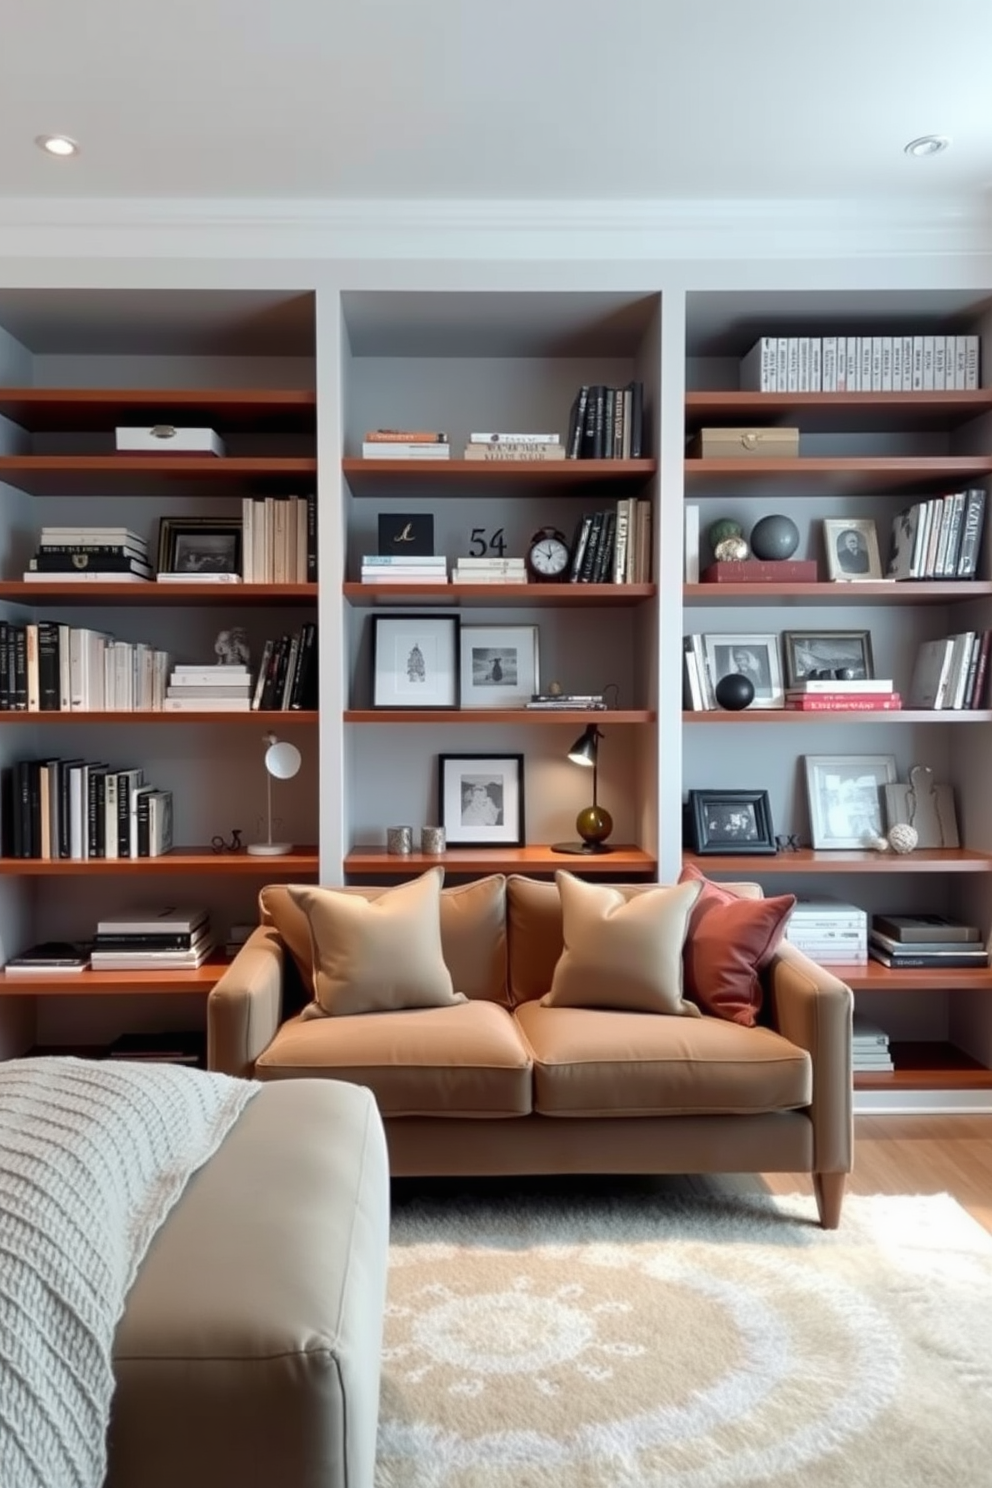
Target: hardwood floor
x=916, y=1154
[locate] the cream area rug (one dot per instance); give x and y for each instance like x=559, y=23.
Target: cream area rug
x=643, y=1341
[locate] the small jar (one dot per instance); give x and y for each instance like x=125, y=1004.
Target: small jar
x=399, y=840
x=432, y=840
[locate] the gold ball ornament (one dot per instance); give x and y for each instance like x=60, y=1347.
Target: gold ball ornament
x=732, y=550
x=593, y=824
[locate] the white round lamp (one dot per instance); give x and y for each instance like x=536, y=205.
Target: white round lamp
x=282, y=761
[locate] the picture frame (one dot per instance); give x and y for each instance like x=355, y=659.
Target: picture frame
x=730, y=822
x=845, y=796
x=481, y=799
x=851, y=545
x=813, y=654
x=406, y=534
x=499, y=665
x=757, y=657
x=199, y=545
x=415, y=661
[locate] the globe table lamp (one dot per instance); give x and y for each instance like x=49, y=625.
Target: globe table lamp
x=282, y=761
x=593, y=823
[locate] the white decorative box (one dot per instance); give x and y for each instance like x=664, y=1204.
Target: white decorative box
x=167, y=439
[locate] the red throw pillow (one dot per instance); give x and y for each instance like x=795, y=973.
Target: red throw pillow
x=729, y=941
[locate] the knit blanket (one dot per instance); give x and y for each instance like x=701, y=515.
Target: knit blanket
x=93, y=1155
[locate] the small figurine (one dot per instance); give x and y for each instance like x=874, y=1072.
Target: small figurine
x=231, y=647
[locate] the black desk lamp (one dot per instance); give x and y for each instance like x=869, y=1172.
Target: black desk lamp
x=593, y=824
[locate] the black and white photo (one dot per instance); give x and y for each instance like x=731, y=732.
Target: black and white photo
x=481, y=799
x=500, y=665
x=755, y=657
x=851, y=545
x=199, y=546
x=845, y=798
x=729, y=821
x=842, y=655
x=415, y=661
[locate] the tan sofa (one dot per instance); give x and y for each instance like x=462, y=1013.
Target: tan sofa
x=501, y=1084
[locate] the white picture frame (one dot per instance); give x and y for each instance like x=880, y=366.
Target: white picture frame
x=845, y=795
x=851, y=545
x=500, y=665
x=757, y=657
x=415, y=661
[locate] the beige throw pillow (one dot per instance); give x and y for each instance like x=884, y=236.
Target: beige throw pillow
x=378, y=956
x=622, y=953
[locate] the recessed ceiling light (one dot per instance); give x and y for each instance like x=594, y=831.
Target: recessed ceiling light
x=57, y=144
x=927, y=144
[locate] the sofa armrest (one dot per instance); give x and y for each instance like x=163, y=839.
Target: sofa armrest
x=813, y=1009
x=244, y=1009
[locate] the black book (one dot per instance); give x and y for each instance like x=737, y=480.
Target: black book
x=577, y=424
x=589, y=426
x=35, y=768
x=48, y=666
x=95, y=561
x=95, y=812
x=929, y=961
x=916, y=927
x=149, y=941
x=592, y=549
x=19, y=692
x=311, y=537
x=305, y=681
x=51, y=955
x=636, y=419
x=4, y=674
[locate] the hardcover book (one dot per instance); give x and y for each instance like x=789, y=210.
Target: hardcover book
x=910, y=928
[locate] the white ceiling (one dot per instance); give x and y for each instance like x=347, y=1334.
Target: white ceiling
x=536, y=100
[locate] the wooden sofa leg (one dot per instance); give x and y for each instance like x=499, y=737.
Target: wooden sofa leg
x=829, y=1190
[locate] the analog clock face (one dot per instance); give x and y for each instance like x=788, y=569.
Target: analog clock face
x=549, y=557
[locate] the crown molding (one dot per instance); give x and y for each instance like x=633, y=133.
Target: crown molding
x=573, y=230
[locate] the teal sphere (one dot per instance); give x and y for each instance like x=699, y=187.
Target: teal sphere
x=774, y=538
x=722, y=528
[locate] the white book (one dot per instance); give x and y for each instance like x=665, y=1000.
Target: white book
x=406, y=451
x=247, y=539
x=211, y=705
x=876, y=364
x=414, y=560
x=87, y=577
x=792, y=375
x=928, y=687
x=758, y=368
x=515, y=438
x=928, y=350
x=102, y=537
x=238, y=677
x=208, y=693
x=917, y=364
x=887, y=345
x=950, y=350
x=199, y=578
x=853, y=364
x=170, y=920
x=897, y=386
x=864, y=371
x=854, y=686
x=939, y=364
x=414, y=577
x=841, y=375
x=803, y=383
x=971, y=358
x=828, y=376
x=495, y=565
x=691, y=543
x=815, y=364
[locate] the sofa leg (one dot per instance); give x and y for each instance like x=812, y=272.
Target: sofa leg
x=829, y=1190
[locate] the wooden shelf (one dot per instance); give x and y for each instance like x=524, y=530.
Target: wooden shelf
x=843, y=860
x=529, y=717
x=496, y=595
x=120, y=983
x=837, y=412
x=927, y=1066
x=787, y=716
x=913, y=592
x=874, y=977
x=259, y=410
x=375, y=862
x=141, y=476
x=302, y=861
x=378, y=478
x=284, y=719
x=817, y=475
x=68, y=592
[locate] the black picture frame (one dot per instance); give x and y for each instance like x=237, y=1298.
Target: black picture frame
x=406, y=534
x=730, y=822
x=826, y=652
x=199, y=545
x=481, y=799
x=431, y=681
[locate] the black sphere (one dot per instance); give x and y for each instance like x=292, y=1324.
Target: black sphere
x=734, y=691
x=775, y=537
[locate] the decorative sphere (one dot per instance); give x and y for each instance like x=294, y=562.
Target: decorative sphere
x=774, y=537
x=594, y=825
x=734, y=691
x=731, y=550
x=878, y=844
x=903, y=838
x=723, y=527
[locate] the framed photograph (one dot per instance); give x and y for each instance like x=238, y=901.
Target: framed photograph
x=499, y=665
x=730, y=821
x=852, y=548
x=415, y=661
x=482, y=799
x=810, y=655
x=845, y=797
x=199, y=545
x=756, y=657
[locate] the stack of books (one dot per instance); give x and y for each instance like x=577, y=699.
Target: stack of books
x=939, y=538
x=606, y=423
x=95, y=554
x=951, y=672
x=870, y=1047
x=187, y=1047
x=828, y=930
x=564, y=701
x=925, y=941
x=81, y=809
x=514, y=447
x=400, y=568
x=49, y=957
x=489, y=571
x=405, y=444
x=287, y=673
x=171, y=939
x=833, y=695
x=208, y=689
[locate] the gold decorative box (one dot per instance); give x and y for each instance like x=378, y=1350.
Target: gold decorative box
x=745, y=444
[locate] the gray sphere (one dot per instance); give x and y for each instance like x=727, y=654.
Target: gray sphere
x=734, y=691
x=774, y=537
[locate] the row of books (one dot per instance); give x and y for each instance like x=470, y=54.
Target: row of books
x=108, y=554
x=606, y=423
x=613, y=546
x=835, y=695
x=939, y=538
x=406, y=444
x=952, y=672
x=76, y=808
x=169, y=940
x=287, y=675
x=278, y=540
x=870, y=1051
x=829, y=930
x=48, y=667
x=396, y=568
x=925, y=941
x=861, y=364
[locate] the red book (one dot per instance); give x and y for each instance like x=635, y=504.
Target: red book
x=844, y=702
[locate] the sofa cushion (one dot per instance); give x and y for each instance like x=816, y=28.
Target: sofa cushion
x=378, y=956
x=622, y=952
x=593, y=1063
x=473, y=932
x=730, y=940
x=467, y=1060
